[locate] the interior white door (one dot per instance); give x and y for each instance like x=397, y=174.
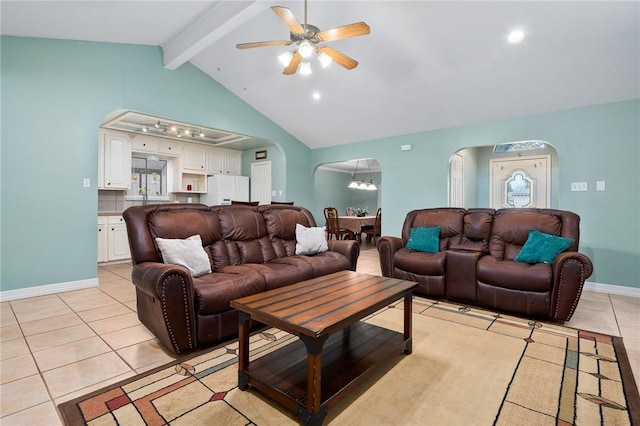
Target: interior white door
x=520, y=182
x=261, y=182
x=456, y=175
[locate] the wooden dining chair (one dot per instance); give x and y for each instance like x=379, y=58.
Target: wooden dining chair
x=333, y=226
x=374, y=231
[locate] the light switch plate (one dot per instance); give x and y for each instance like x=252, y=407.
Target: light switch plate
x=578, y=186
x=86, y=183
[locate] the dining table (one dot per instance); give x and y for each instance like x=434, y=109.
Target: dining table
x=355, y=223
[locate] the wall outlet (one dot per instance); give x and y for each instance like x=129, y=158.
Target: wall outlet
x=405, y=148
x=600, y=186
x=579, y=186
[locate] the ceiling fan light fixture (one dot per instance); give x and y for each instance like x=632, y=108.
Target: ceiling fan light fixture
x=285, y=58
x=353, y=184
x=305, y=49
x=371, y=187
x=515, y=37
x=362, y=185
x=325, y=60
x=305, y=68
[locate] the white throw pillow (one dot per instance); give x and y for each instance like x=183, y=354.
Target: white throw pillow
x=310, y=240
x=188, y=253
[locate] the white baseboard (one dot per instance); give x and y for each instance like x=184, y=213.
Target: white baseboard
x=612, y=289
x=43, y=290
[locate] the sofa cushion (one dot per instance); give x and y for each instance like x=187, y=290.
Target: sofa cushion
x=511, y=229
x=187, y=252
x=450, y=221
x=541, y=247
x=214, y=292
x=278, y=272
x=325, y=263
x=424, y=239
x=420, y=262
x=310, y=240
x=514, y=275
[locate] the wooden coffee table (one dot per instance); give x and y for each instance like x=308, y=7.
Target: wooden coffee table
x=336, y=351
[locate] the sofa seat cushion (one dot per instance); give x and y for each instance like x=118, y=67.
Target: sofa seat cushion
x=278, y=272
x=514, y=275
x=325, y=263
x=215, y=291
x=420, y=262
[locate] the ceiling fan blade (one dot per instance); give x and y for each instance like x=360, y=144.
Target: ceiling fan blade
x=293, y=65
x=289, y=20
x=338, y=57
x=351, y=30
x=263, y=44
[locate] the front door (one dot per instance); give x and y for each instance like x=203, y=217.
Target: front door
x=520, y=182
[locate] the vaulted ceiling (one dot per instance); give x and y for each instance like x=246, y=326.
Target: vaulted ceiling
x=426, y=64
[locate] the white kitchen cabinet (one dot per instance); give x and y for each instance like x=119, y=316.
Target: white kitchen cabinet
x=233, y=162
x=168, y=147
x=144, y=144
x=215, y=161
x=117, y=239
x=223, y=161
x=114, y=160
x=103, y=248
x=193, y=157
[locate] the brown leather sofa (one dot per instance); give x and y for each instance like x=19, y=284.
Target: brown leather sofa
x=475, y=262
x=250, y=249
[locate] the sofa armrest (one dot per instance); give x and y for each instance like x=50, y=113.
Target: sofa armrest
x=387, y=246
x=165, y=303
x=570, y=270
x=349, y=248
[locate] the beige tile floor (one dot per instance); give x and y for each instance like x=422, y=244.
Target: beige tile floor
x=57, y=347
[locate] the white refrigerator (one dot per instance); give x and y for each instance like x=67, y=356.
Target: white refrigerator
x=221, y=189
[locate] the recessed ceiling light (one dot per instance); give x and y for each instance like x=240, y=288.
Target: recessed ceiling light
x=515, y=37
x=316, y=95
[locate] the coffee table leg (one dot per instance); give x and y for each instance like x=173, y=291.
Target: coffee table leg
x=407, y=322
x=244, y=323
x=314, y=414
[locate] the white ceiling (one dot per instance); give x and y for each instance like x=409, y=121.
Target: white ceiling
x=426, y=64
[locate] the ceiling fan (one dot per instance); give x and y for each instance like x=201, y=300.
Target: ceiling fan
x=308, y=38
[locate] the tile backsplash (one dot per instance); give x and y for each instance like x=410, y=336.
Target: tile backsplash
x=113, y=201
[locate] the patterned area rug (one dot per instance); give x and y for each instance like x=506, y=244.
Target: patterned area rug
x=468, y=366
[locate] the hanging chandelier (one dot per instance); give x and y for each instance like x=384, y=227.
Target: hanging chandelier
x=361, y=184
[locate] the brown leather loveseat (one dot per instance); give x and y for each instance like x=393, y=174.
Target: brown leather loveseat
x=477, y=259
x=249, y=249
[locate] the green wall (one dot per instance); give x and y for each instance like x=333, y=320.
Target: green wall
x=600, y=142
x=54, y=96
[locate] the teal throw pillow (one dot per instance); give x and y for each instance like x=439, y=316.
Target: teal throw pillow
x=541, y=247
x=424, y=239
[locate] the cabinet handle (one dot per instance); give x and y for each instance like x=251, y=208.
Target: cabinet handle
x=108, y=183
x=113, y=229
